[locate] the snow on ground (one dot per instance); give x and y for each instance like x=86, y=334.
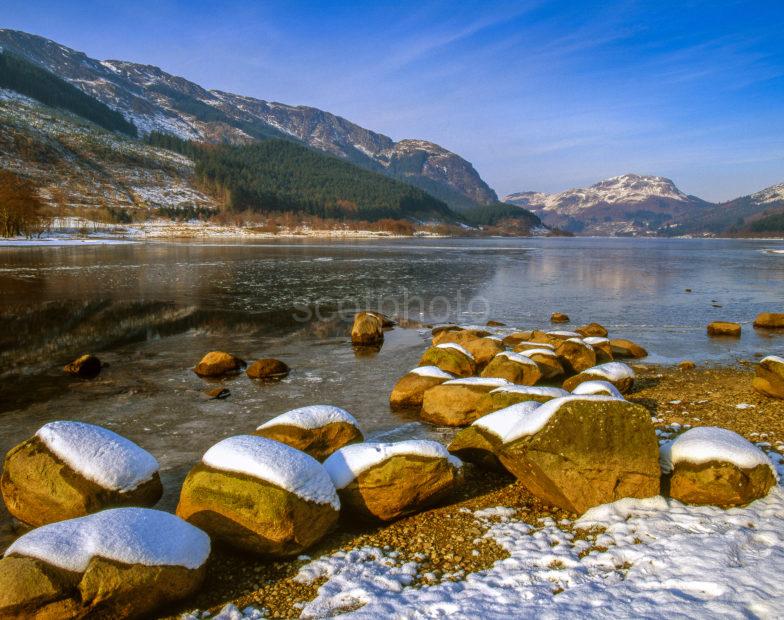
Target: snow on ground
x=312, y=417
x=710, y=443
x=345, y=464
x=503, y=422
x=456, y=347
x=597, y=387
x=276, y=463
x=431, y=371
x=656, y=558
x=98, y=454
x=127, y=535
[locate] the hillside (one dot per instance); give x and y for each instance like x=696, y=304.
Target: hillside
x=154, y=100
x=629, y=204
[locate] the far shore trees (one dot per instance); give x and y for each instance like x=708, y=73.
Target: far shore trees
x=21, y=211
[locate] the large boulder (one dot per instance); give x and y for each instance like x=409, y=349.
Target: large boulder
x=450, y=357
x=769, y=379
x=578, y=452
x=410, y=389
x=388, y=480
x=482, y=347
x=627, y=349
x=724, y=328
x=70, y=469
x=575, y=355
x=261, y=496
x=119, y=563
x=508, y=395
x=592, y=329
x=479, y=442
x=458, y=402
x=218, y=364
x=367, y=330
x=617, y=373
x=317, y=430
x=770, y=320
x=514, y=367
x=85, y=367
x=547, y=361
x=601, y=347
x=268, y=368
x=710, y=465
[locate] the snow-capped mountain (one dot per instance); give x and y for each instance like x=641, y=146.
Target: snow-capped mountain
x=626, y=204
x=158, y=101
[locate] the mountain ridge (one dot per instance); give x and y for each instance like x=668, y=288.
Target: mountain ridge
x=155, y=100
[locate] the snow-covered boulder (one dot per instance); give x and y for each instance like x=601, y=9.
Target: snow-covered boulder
x=769, y=379
x=597, y=388
x=450, y=357
x=508, y=395
x=617, y=373
x=560, y=334
x=318, y=430
x=622, y=347
x=260, y=495
x=70, y=469
x=410, y=389
x=710, y=465
x=268, y=368
x=770, y=320
x=368, y=330
x=575, y=355
x=458, y=402
x=388, y=480
x=514, y=367
x=218, y=364
x=118, y=563
x=85, y=367
x=601, y=347
x=527, y=345
x=479, y=442
x=592, y=329
x=545, y=358
x=577, y=452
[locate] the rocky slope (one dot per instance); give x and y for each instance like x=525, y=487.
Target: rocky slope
x=629, y=204
x=157, y=101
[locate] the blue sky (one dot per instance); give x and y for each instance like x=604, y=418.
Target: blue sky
x=537, y=95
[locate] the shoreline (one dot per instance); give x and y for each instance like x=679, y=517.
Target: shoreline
x=452, y=541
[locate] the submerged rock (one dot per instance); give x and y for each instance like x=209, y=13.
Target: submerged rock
x=218, y=364
x=260, y=496
x=709, y=465
x=85, y=367
x=70, y=469
x=317, y=430
x=368, y=330
x=268, y=368
x=770, y=320
x=723, y=328
x=769, y=379
x=581, y=451
x=410, y=389
x=389, y=480
x=559, y=317
x=121, y=563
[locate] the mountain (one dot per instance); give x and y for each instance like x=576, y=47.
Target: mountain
x=154, y=100
x=755, y=214
x=629, y=204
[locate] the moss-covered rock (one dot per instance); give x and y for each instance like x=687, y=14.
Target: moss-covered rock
x=513, y=367
x=451, y=358
x=718, y=483
x=575, y=355
x=724, y=328
x=770, y=320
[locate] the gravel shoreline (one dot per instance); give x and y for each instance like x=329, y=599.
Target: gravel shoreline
x=447, y=540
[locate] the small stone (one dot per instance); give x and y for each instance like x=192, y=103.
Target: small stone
x=723, y=328
x=217, y=393
x=85, y=367
x=268, y=368
x=687, y=365
x=559, y=317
